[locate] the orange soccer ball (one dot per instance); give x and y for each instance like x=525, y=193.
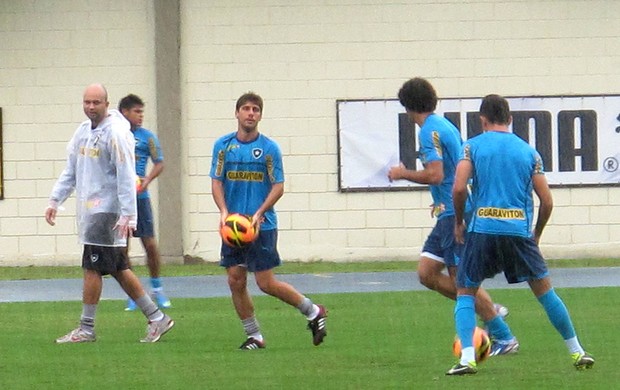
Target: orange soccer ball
x=482, y=344
x=238, y=231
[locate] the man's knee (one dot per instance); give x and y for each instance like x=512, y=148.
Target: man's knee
x=428, y=278
x=429, y=272
x=237, y=281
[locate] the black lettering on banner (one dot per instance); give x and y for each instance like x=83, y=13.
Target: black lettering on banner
x=474, y=126
x=407, y=142
x=542, y=127
x=454, y=118
x=566, y=140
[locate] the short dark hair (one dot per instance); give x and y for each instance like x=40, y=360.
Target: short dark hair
x=418, y=95
x=130, y=101
x=250, y=97
x=496, y=109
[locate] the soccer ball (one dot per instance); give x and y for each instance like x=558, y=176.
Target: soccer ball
x=482, y=344
x=238, y=231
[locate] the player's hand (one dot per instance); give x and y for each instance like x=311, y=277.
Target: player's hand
x=50, y=212
x=50, y=216
x=459, y=233
x=142, y=185
x=223, y=216
x=125, y=225
x=257, y=219
x=397, y=173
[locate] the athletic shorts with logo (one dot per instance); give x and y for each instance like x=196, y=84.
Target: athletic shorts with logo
x=260, y=255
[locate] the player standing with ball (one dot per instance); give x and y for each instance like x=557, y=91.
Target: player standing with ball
x=247, y=178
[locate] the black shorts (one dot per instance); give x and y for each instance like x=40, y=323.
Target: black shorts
x=105, y=259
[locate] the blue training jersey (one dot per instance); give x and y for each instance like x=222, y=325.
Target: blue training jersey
x=248, y=171
x=440, y=140
x=147, y=148
x=503, y=167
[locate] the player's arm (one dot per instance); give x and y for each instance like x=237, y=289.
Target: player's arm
x=541, y=188
x=217, y=191
x=277, y=190
x=431, y=174
x=65, y=185
x=459, y=197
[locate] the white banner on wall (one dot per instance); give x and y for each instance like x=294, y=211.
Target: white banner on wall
x=578, y=138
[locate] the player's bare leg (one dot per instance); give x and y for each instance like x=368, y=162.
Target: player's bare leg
x=158, y=322
x=153, y=258
x=431, y=275
x=91, y=293
x=315, y=314
x=238, y=284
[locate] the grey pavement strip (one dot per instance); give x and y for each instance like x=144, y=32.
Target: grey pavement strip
x=216, y=286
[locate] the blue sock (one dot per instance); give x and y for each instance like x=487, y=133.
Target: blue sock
x=498, y=328
x=156, y=282
x=465, y=318
x=557, y=313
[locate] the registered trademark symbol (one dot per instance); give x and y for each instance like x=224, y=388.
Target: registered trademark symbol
x=610, y=164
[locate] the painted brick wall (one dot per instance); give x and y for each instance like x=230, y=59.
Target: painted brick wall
x=49, y=52
x=301, y=58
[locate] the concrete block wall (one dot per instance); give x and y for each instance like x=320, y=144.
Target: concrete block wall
x=301, y=58
x=49, y=52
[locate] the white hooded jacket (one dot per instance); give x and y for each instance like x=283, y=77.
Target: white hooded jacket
x=101, y=169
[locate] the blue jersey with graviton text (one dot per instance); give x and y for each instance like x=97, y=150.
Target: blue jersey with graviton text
x=503, y=167
x=248, y=171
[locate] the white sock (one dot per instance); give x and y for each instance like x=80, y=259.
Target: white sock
x=573, y=345
x=256, y=336
x=468, y=355
x=313, y=313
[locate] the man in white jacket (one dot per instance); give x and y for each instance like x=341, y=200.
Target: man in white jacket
x=101, y=169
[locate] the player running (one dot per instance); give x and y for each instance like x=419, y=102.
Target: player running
x=440, y=147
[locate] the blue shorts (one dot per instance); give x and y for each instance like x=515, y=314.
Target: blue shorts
x=145, y=219
x=260, y=255
x=486, y=255
x=440, y=244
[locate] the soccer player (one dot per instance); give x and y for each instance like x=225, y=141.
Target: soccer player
x=440, y=147
x=247, y=178
x=505, y=170
x=100, y=168
x=147, y=148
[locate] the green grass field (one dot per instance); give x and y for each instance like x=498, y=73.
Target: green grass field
x=375, y=341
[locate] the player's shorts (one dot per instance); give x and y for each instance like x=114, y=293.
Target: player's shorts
x=260, y=255
x=145, y=226
x=99, y=229
x=105, y=259
x=486, y=255
x=440, y=245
